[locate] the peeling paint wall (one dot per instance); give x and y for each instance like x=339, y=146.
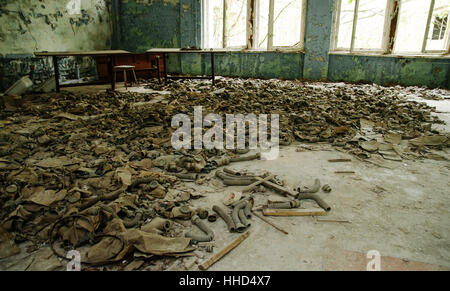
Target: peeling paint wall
x=149, y=24
x=32, y=25
x=27, y=26
x=431, y=72
x=145, y=24
x=138, y=25
x=318, y=64
x=318, y=30
x=242, y=64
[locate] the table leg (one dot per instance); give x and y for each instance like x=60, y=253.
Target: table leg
x=135, y=77
x=213, y=73
x=165, y=67
x=158, y=68
x=110, y=69
x=56, y=68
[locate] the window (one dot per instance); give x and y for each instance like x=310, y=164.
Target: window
x=422, y=26
x=439, y=27
x=253, y=24
x=413, y=18
x=438, y=35
x=386, y=26
x=361, y=25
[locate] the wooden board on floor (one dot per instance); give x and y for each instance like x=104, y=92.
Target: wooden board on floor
x=294, y=212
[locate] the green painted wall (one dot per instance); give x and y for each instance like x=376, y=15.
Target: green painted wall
x=160, y=24
x=142, y=25
x=432, y=72
x=177, y=23
x=318, y=30
x=138, y=25
x=240, y=64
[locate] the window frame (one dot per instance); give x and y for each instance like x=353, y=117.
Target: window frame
x=252, y=26
x=390, y=30
x=427, y=33
x=301, y=44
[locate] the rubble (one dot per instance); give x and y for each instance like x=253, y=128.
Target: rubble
x=98, y=171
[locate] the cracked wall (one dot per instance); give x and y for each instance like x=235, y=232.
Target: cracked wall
x=138, y=25
x=27, y=26
x=145, y=24
x=319, y=23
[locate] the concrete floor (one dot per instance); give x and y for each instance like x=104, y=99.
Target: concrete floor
x=407, y=221
x=401, y=210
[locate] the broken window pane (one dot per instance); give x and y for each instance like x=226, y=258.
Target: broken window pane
x=370, y=24
x=287, y=22
x=262, y=23
x=213, y=24
x=344, y=37
x=411, y=26
x=438, y=27
x=236, y=26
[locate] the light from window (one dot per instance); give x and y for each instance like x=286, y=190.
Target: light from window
x=438, y=26
x=213, y=24
x=411, y=25
x=345, y=24
x=370, y=24
x=365, y=26
x=386, y=26
x=262, y=24
x=236, y=25
x=258, y=24
x=287, y=22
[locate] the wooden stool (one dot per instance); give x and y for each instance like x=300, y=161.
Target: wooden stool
x=125, y=68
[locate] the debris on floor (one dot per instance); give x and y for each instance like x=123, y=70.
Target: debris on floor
x=97, y=172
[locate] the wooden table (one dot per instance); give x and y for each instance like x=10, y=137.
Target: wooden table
x=165, y=51
x=104, y=53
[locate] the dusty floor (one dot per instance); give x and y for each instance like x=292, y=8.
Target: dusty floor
x=402, y=212
x=409, y=219
x=401, y=209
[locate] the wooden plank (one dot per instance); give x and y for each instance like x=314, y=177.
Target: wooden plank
x=339, y=160
x=294, y=212
x=337, y=19
x=303, y=24
x=270, y=27
x=81, y=84
x=355, y=20
x=427, y=28
x=333, y=220
x=82, y=53
x=223, y=252
x=251, y=27
x=270, y=223
x=181, y=51
x=390, y=29
x=259, y=182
